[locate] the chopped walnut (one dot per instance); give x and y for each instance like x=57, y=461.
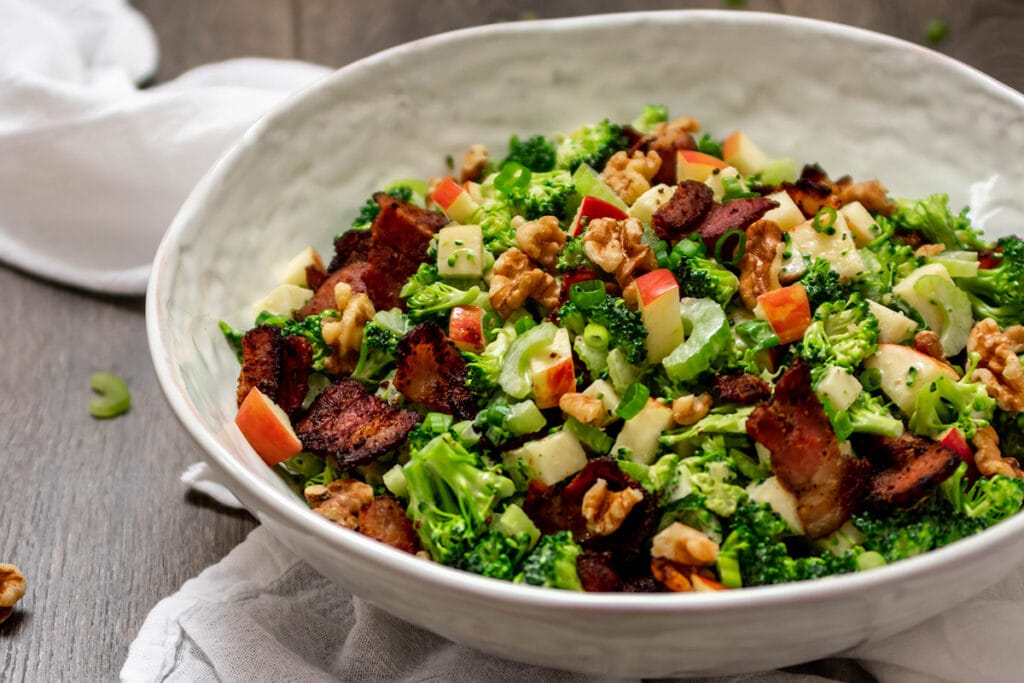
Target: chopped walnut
x=988, y=457
x=672, y=575
x=761, y=261
x=586, y=409
x=929, y=250
x=342, y=295
x=630, y=176
x=1000, y=368
x=615, y=247
x=340, y=501
x=927, y=342
x=605, y=510
x=704, y=582
x=542, y=240
x=473, y=163
x=514, y=280
x=689, y=409
x=346, y=335
x=683, y=544
x=870, y=193
x=12, y=589
x=631, y=295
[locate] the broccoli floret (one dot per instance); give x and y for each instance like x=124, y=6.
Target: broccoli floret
x=749, y=339
x=886, y=261
x=572, y=255
x=369, y=210
x=711, y=475
x=536, y=153
x=692, y=511
x=823, y=284
x=309, y=327
x=870, y=415
x=626, y=330
x=497, y=555
x=998, y=292
x=710, y=146
x=702, y=278
x=435, y=299
x=754, y=553
x=483, y=368
x=649, y=118
x=591, y=145
x=842, y=333
x=546, y=194
x=987, y=501
x=380, y=341
x=495, y=219
x=932, y=217
x=553, y=563
x=451, y=497
x=944, y=403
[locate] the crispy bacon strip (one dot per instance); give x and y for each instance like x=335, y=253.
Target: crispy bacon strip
x=296, y=364
x=681, y=214
x=738, y=214
x=350, y=247
x=909, y=466
x=384, y=519
x=401, y=235
x=432, y=372
x=667, y=142
x=805, y=453
x=597, y=572
x=261, y=362
x=323, y=298
x=740, y=387
x=351, y=424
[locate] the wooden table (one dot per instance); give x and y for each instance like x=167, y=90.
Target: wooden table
x=92, y=511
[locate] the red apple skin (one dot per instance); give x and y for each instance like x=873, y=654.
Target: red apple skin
x=955, y=440
x=655, y=283
x=694, y=157
x=591, y=208
x=445, y=194
x=267, y=428
x=556, y=381
x=788, y=311
x=466, y=328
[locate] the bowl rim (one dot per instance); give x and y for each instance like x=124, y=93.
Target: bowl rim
x=298, y=520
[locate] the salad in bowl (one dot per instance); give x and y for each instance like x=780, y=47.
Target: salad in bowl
x=638, y=357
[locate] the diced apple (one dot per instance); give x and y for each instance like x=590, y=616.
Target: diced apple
x=716, y=181
x=693, y=165
x=455, y=201
x=955, y=440
x=639, y=435
x=460, y=251
x=836, y=246
x=552, y=371
x=267, y=428
x=591, y=208
x=839, y=387
x=781, y=501
x=787, y=215
x=740, y=151
x=603, y=390
x=904, y=372
x=861, y=223
x=549, y=460
x=649, y=202
x=466, y=328
x=282, y=300
x=893, y=326
x=294, y=272
x=787, y=310
x=659, y=310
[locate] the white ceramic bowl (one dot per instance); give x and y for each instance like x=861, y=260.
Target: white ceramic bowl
x=856, y=102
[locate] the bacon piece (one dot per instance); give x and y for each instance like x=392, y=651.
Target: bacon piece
x=261, y=362
x=315, y=276
x=432, y=372
x=812, y=190
x=401, y=235
x=805, y=453
x=740, y=387
x=323, y=298
x=384, y=519
x=909, y=466
x=738, y=214
x=597, y=573
x=296, y=364
x=681, y=214
x=351, y=424
x=350, y=247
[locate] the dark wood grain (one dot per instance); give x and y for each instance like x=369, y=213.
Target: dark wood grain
x=93, y=511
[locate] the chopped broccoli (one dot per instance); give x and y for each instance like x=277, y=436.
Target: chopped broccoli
x=842, y=333
x=944, y=403
x=749, y=339
x=886, y=262
x=451, y=497
x=495, y=219
x=497, y=555
x=711, y=476
x=233, y=337
x=932, y=217
x=591, y=145
x=702, y=278
x=553, y=563
x=536, y=153
x=368, y=212
x=692, y=510
x=998, y=292
x=870, y=415
x=380, y=341
x=987, y=501
x=309, y=327
x=440, y=297
x=483, y=368
x=710, y=146
x=626, y=330
x=649, y=118
x=572, y=255
x=546, y=194
x=822, y=284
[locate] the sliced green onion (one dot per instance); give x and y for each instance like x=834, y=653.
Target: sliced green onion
x=438, y=423
x=491, y=323
x=871, y=379
x=688, y=247
x=513, y=177
x=633, y=401
x=587, y=293
x=723, y=243
x=114, y=398
x=825, y=220
x=596, y=336
x=661, y=253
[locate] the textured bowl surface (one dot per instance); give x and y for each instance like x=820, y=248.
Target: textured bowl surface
x=855, y=102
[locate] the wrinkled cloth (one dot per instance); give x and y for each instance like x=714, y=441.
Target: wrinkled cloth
x=92, y=168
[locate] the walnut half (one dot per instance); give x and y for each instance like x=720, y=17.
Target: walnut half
x=988, y=457
x=615, y=247
x=340, y=501
x=1000, y=368
x=605, y=510
x=685, y=545
x=514, y=279
x=12, y=589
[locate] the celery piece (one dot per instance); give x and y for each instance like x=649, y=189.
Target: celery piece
x=114, y=398
x=524, y=418
x=514, y=377
x=708, y=337
x=592, y=438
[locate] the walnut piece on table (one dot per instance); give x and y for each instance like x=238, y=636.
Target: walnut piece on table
x=999, y=368
x=615, y=247
x=12, y=589
x=606, y=510
x=340, y=501
x=630, y=176
x=542, y=240
x=515, y=279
